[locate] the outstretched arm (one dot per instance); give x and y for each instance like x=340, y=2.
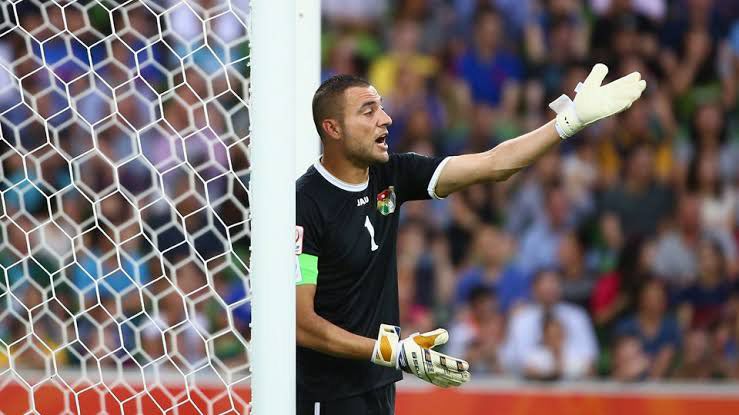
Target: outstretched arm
x=498, y=163
x=593, y=102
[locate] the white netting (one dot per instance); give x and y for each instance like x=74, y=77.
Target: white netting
x=124, y=231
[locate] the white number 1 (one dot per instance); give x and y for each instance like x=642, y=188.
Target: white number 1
x=371, y=230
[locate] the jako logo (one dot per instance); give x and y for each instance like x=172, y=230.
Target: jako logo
x=362, y=201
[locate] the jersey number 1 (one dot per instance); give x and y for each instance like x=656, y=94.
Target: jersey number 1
x=371, y=230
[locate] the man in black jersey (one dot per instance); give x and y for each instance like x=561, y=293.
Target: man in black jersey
x=350, y=352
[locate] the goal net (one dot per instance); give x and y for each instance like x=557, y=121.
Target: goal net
x=124, y=222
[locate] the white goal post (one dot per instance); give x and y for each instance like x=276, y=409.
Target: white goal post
x=273, y=206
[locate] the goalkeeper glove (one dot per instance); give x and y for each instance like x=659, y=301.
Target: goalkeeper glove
x=415, y=356
x=594, y=101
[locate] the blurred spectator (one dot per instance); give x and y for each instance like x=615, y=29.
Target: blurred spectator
x=527, y=204
x=492, y=268
x=477, y=335
x=604, y=251
x=616, y=293
x=419, y=135
x=556, y=37
x=723, y=344
x=414, y=96
x=580, y=176
x=411, y=247
x=344, y=58
x=676, y=261
x=630, y=362
x=404, y=53
x=517, y=12
x=577, y=279
x=468, y=210
x=640, y=202
x=526, y=328
x=550, y=360
x=657, y=331
x=540, y=243
x=717, y=198
x=691, y=43
x=696, y=361
x=488, y=67
x=708, y=140
x=702, y=303
x=624, y=28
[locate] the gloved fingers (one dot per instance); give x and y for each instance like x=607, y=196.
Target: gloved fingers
x=637, y=90
x=624, y=94
x=457, y=379
x=440, y=382
x=445, y=362
x=453, y=379
x=630, y=81
x=431, y=339
x=436, y=369
x=642, y=86
x=597, y=75
x=632, y=77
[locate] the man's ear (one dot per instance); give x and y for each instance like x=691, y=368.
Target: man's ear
x=332, y=128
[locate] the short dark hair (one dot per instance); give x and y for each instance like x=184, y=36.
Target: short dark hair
x=328, y=99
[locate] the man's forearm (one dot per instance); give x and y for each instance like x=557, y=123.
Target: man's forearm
x=515, y=154
x=498, y=163
x=317, y=333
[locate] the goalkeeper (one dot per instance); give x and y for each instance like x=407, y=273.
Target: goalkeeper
x=350, y=351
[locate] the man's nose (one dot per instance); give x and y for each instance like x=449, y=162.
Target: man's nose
x=385, y=120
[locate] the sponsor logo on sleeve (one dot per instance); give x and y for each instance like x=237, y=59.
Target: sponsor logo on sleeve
x=298, y=240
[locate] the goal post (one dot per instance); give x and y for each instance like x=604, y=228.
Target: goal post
x=273, y=206
x=308, y=56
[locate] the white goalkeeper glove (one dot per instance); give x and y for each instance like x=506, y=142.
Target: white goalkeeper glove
x=594, y=101
x=415, y=356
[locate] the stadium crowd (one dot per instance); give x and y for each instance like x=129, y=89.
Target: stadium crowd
x=614, y=256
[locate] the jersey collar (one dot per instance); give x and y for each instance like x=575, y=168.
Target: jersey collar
x=338, y=182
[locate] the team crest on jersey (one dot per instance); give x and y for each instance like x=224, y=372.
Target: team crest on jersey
x=386, y=201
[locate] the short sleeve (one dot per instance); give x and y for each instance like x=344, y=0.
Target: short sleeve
x=417, y=175
x=309, y=225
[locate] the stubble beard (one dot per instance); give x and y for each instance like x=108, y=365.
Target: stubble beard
x=365, y=156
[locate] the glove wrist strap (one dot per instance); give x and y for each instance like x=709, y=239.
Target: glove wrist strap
x=387, y=347
x=568, y=123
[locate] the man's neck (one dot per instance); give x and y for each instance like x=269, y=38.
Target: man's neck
x=344, y=170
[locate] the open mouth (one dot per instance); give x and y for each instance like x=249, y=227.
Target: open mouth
x=381, y=139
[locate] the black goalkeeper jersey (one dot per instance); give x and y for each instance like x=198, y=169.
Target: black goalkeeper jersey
x=352, y=231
